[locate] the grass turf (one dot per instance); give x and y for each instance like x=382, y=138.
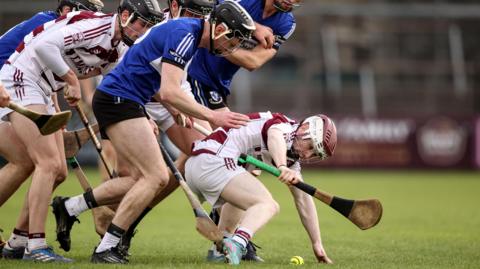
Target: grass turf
x=430, y=220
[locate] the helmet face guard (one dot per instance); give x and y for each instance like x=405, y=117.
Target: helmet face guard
x=193, y=8
x=319, y=141
x=290, y=5
x=146, y=12
x=238, y=24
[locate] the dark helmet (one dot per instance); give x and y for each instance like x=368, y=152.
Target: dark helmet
x=146, y=10
x=92, y=5
x=236, y=18
x=197, y=7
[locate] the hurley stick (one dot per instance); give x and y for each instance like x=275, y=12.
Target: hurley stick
x=47, y=124
x=204, y=225
x=98, y=146
x=363, y=213
x=102, y=216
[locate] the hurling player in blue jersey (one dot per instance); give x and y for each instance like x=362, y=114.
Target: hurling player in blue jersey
x=153, y=67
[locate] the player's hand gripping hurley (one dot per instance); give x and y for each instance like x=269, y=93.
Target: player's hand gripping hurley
x=363, y=213
x=204, y=225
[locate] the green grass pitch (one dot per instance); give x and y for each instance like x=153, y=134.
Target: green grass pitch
x=430, y=220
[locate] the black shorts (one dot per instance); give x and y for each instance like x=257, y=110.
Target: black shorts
x=109, y=109
x=207, y=96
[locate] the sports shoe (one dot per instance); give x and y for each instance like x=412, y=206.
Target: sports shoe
x=112, y=255
x=233, y=251
x=64, y=222
x=125, y=241
x=44, y=255
x=12, y=253
x=251, y=254
x=214, y=256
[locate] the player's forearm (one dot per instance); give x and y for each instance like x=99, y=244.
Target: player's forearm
x=251, y=59
x=277, y=147
x=180, y=100
x=308, y=214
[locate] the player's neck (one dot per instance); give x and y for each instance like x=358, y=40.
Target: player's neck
x=268, y=9
x=205, y=40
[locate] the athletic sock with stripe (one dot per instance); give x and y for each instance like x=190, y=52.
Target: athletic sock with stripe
x=111, y=238
x=80, y=203
x=18, y=239
x=36, y=241
x=242, y=236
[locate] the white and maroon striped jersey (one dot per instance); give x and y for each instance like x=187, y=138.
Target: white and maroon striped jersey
x=80, y=41
x=250, y=139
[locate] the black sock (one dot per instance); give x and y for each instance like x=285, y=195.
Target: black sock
x=115, y=230
x=89, y=199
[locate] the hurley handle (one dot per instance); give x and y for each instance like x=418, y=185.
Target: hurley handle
x=244, y=158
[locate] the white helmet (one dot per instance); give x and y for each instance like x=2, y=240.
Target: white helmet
x=323, y=133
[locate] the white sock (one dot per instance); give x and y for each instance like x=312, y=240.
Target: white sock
x=17, y=241
x=109, y=241
x=36, y=243
x=242, y=236
x=76, y=205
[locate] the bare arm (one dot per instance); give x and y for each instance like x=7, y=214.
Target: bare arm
x=251, y=59
x=308, y=215
x=4, y=96
x=171, y=94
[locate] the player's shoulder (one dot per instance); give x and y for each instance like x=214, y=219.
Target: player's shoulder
x=44, y=16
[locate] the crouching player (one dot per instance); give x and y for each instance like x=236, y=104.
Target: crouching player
x=212, y=173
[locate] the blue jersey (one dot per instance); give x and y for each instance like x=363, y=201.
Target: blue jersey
x=217, y=72
x=137, y=76
x=11, y=39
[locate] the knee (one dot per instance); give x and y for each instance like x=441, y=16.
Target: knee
x=160, y=181
x=61, y=174
x=273, y=207
x=53, y=166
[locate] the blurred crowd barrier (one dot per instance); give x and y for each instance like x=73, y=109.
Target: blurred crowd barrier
x=436, y=142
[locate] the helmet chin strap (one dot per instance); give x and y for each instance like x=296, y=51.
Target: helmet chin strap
x=212, y=49
x=126, y=39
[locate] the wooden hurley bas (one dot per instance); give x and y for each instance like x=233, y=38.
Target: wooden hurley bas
x=47, y=124
x=363, y=213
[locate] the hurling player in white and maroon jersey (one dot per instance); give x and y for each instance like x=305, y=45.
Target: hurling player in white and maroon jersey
x=212, y=173
x=78, y=45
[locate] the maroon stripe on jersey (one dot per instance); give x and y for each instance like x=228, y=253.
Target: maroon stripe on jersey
x=201, y=151
x=107, y=25
x=85, y=15
x=277, y=118
x=38, y=30
x=218, y=136
x=20, y=47
x=61, y=18
x=254, y=116
x=96, y=34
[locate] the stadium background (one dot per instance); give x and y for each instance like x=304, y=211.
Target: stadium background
x=400, y=78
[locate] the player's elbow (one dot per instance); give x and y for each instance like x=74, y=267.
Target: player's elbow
x=252, y=65
x=166, y=96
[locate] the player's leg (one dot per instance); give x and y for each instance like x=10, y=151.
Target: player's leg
x=19, y=166
x=16, y=244
x=134, y=139
x=46, y=154
x=249, y=194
